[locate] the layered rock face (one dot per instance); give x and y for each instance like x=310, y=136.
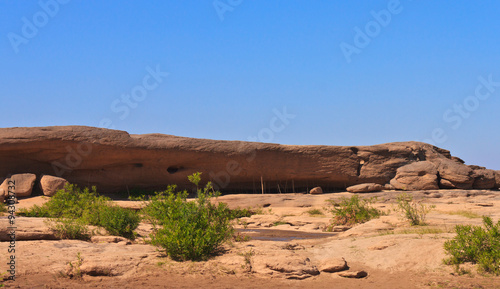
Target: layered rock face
x=116, y=161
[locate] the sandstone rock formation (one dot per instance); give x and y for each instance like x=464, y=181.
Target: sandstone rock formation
x=332, y=266
x=316, y=191
x=455, y=175
x=50, y=184
x=116, y=161
x=365, y=188
x=483, y=179
x=416, y=176
x=22, y=184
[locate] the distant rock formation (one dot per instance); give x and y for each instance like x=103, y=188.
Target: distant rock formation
x=116, y=161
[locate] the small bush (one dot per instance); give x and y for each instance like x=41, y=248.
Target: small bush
x=412, y=211
x=240, y=213
x=315, y=212
x=3, y=208
x=118, y=221
x=73, y=207
x=352, y=211
x=188, y=230
x=477, y=245
x=70, y=202
x=70, y=229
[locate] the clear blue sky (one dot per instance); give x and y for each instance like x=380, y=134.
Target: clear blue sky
x=350, y=72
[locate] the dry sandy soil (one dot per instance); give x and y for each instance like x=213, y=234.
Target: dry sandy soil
x=289, y=255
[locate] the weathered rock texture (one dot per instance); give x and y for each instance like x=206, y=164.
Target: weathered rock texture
x=116, y=161
x=50, y=184
x=21, y=184
x=316, y=191
x=416, y=176
x=365, y=188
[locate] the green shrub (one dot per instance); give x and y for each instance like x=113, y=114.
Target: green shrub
x=240, y=213
x=118, y=221
x=188, y=230
x=3, y=208
x=73, y=206
x=477, y=245
x=70, y=202
x=70, y=229
x=315, y=212
x=412, y=211
x=350, y=211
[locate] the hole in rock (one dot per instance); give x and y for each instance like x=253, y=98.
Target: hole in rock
x=172, y=170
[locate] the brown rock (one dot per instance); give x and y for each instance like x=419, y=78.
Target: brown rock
x=332, y=266
x=455, y=175
x=416, y=176
x=389, y=187
x=365, y=188
x=483, y=179
x=23, y=184
x=497, y=179
x=293, y=267
x=50, y=185
x=316, y=191
x=116, y=161
x=340, y=228
x=353, y=274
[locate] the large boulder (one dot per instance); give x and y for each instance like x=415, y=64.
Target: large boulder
x=416, y=176
x=50, y=185
x=316, y=191
x=22, y=183
x=483, y=179
x=455, y=175
x=365, y=188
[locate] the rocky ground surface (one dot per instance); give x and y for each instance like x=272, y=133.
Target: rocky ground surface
x=287, y=249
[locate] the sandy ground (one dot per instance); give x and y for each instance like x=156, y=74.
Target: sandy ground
x=394, y=254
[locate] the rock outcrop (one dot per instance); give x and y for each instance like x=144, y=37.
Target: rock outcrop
x=116, y=161
x=455, y=175
x=416, y=176
x=483, y=179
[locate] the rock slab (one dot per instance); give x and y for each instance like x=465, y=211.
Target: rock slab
x=365, y=188
x=114, y=161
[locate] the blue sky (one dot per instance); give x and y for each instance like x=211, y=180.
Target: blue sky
x=273, y=71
